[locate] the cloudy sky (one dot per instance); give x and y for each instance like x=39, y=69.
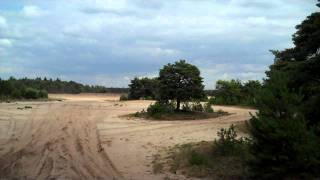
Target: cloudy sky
x=108, y=42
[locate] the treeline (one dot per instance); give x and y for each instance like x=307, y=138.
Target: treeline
x=40, y=87
x=234, y=92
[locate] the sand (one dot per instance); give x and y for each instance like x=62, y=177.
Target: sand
x=85, y=137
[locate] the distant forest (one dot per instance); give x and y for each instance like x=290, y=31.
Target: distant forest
x=39, y=88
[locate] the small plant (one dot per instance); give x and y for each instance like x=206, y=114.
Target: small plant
x=186, y=107
x=197, y=107
x=208, y=108
x=197, y=159
x=158, y=109
x=123, y=97
x=228, y=144
x=27, y=107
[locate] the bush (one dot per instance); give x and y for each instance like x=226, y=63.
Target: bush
x=197, y=106
x=197, y=159
x=31, y=93
x=158, y=109
x=123, y=97
x=228, y=144
x=207, y=108
x=43, y=94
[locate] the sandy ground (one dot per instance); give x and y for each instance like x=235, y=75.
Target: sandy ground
x=83, y=137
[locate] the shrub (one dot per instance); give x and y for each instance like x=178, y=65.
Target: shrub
x=207, y=108
x=158, y=109
x=196, y=158
x=186, y=107
x=16, y=93
x=228, y=144
x=43, y=94
x=197, y=106
x=123, y=97
x=31, y=93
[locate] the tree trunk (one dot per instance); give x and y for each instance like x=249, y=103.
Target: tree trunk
x=178, y=105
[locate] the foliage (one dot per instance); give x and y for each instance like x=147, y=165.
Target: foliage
x=197, y=107
x=159, y=109
x=15, y=88
x=234, y=92
x=123, y=97
x=145, y=88
x=208, y=108
x=180, y=82
x=282, y=144
x=228, y=143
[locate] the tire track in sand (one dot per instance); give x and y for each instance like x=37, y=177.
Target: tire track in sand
x=57, y=140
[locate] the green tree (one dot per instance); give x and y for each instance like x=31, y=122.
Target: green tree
x=282, y=145
x=286, y=131
x=180, y=82
x=143, y=88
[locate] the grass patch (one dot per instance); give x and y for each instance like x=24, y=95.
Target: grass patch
x=224, y=158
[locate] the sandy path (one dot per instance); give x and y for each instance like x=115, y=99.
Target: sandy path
x=53, y=140
x=84, y=138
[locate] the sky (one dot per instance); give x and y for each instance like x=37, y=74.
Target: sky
x=109, y=42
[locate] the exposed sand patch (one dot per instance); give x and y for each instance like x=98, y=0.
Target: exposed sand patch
x=84, y=138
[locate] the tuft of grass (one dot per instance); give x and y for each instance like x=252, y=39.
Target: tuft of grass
x=224, y=158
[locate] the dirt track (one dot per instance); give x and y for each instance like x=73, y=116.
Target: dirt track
x=84, y=138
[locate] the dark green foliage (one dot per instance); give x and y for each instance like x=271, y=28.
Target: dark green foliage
x=282, y=145
x=233, y=92
x=123, y=97
x=197, y=107
x=39, y=88
x=144, y=88
x=31, y=93
x=180, y=82
x=228, y=143
x=159, y=109
x=208, y=108
x=197, y=159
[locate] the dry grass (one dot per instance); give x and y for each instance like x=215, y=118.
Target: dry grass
x=199, y=160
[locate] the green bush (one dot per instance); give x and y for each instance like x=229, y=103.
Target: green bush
x=31, y=93
x=43, y=94
x=228, y=143
x=207, y=108
x=158, y=109
x=123, y=97
x=197, y=107
x=197, y=159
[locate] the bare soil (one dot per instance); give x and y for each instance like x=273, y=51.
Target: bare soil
x=85, y=137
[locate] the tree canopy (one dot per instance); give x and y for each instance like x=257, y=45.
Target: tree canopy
x=181, y=82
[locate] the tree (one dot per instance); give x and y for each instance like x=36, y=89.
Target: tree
x=228, y=92
x=180, y=82
x=143, y=88
x=282, y=145
x=286, y=131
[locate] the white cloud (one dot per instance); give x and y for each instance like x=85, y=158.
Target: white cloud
x=5, y=43
x=111, y=41
x=3, y=22
x=32, y=11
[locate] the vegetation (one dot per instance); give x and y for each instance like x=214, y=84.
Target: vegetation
x=224, y=158
x=14, y=89
x=286, y=132
x=234, y=92
x=144, y=88
x=180, y=82
x=190, y=111
x=39, y=88
x=124, y=97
